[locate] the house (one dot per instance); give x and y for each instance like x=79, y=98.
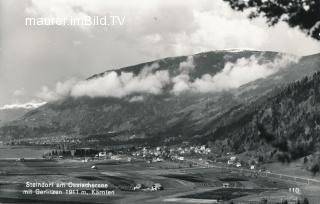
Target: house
x=138, y=187
x=233, y=158
x=252, y=167
x=238, y=164
x=115, y=157
x=20, y=159
x=207, y=151
x=230, y=162
x=181, y=158
x=226, y=185
x=102, y=154
x=157, y=159
x=156, y=187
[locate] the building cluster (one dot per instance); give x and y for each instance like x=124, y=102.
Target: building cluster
x=153, y=187
x=194, y=150
x=158, y=154
x=236, y=162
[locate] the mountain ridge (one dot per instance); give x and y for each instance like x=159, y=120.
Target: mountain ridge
x=164, y=118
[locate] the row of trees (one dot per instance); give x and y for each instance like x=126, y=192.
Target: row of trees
x=76, y=153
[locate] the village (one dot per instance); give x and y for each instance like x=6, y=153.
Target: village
x=201, y=153
x=184, y=162
x=192, y=166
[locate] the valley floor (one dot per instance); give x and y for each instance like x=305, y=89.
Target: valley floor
x=181, y=184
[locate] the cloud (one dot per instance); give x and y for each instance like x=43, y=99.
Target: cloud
x=111, y=84
x=222, y=28
x=152, y=30
x=218, y=30
x=233, y=75
x=124, y=84
x=18, y=92
x=62, y=89
x=181, y=82
x=29, y=105
x=201, y=25
x=153, y=81
x=187, y=66
x=136, y=99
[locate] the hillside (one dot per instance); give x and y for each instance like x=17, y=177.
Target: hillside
x=13, y=112
x=167, y=118
x=8, y=115
x=284, y=127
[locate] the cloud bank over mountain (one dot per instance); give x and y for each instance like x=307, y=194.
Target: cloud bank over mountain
x=110, y=84
x=152, y=80
x=233, y=75
x=114, y=85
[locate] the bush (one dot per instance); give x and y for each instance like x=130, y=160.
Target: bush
x=315, y=168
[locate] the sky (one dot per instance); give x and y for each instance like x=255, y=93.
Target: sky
x=35, y=59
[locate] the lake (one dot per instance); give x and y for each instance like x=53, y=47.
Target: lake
x=7, y=152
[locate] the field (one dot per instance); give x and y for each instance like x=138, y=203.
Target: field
x=181, y=183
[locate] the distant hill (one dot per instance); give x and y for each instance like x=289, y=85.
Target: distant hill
x=13, y=112
x=8, y=115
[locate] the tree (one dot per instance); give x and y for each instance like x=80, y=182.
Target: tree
x=304, y=14
x=305, y=201
x=315, y=168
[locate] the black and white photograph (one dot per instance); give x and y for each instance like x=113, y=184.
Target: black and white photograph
x=159, y=102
